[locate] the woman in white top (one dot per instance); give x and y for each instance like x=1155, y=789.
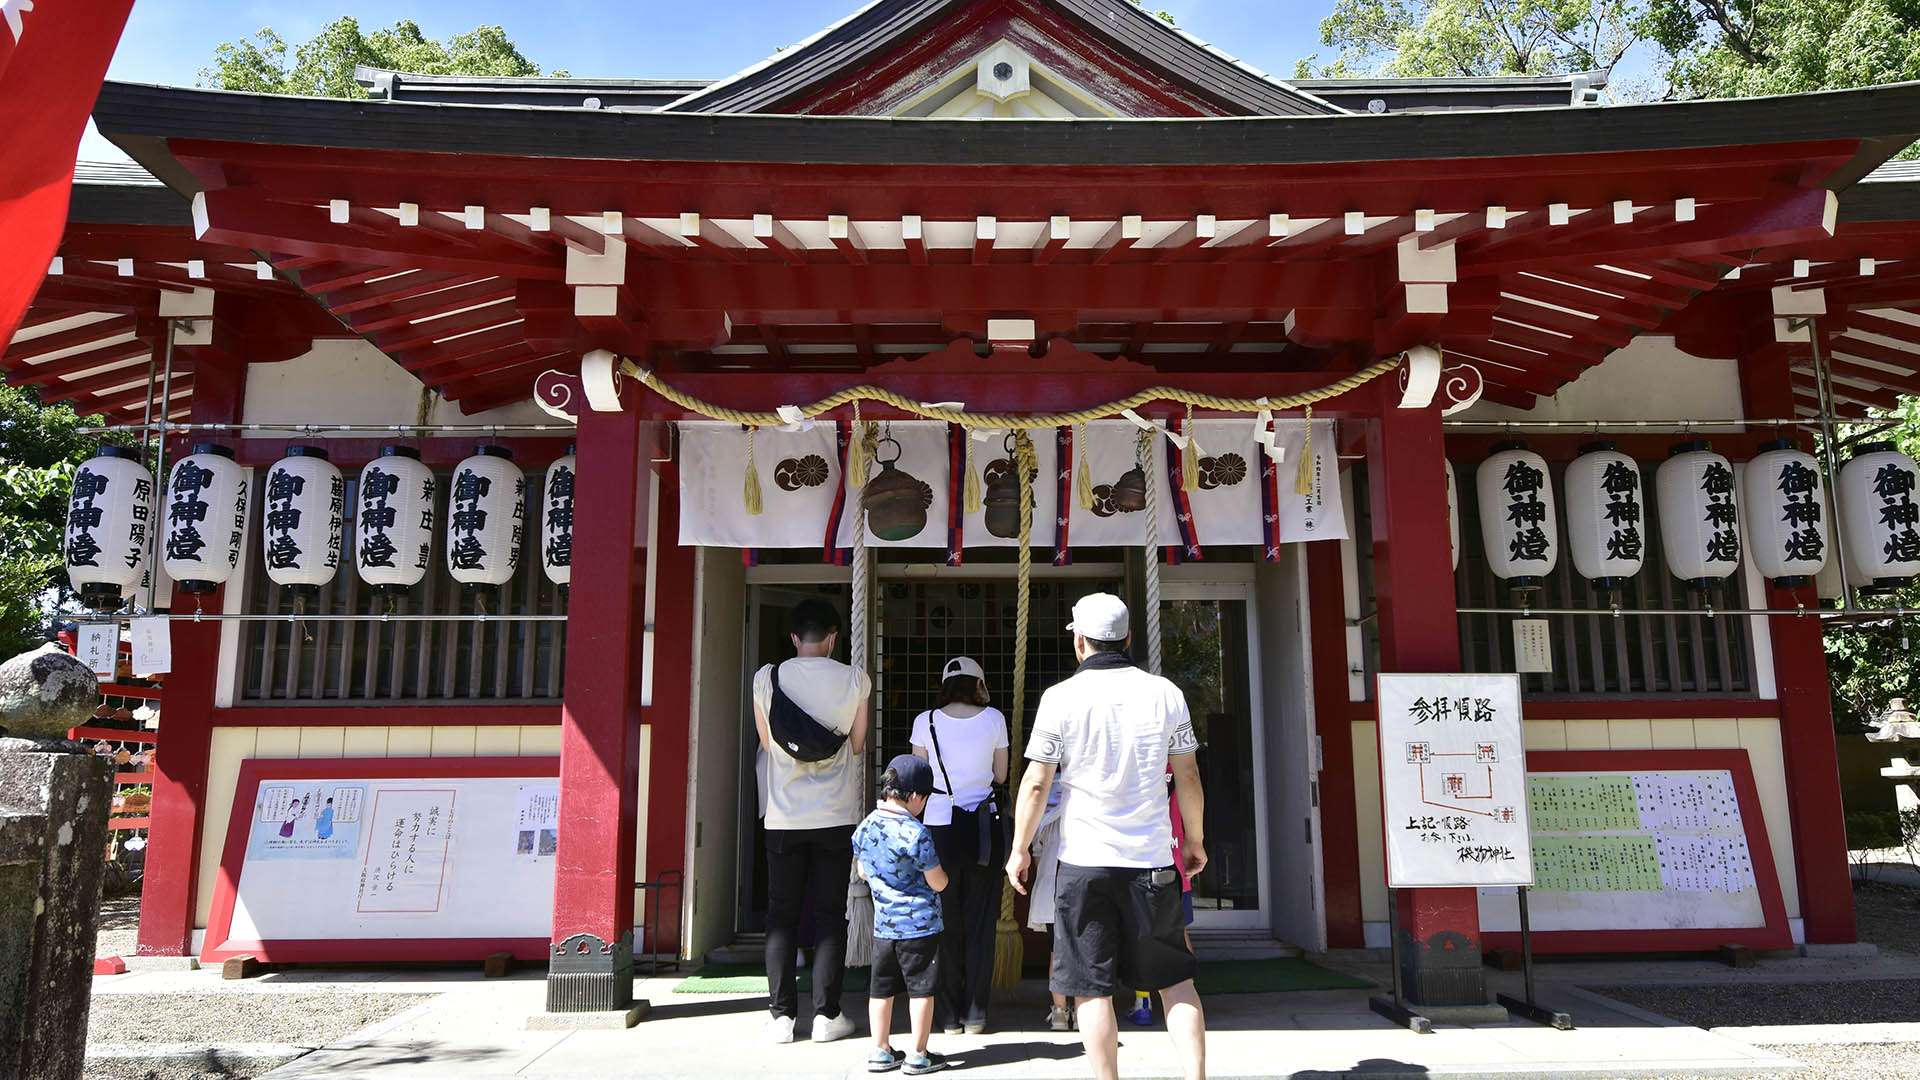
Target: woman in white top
x=965, y=739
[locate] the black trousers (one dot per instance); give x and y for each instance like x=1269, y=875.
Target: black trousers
x=804, y=863
x=968, y=907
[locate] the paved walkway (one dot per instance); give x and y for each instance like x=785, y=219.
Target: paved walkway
x=477, y=1027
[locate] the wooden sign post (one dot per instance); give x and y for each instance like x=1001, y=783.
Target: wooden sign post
x=1453, y=788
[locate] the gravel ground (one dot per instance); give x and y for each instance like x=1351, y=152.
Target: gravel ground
x=130, y=1070
x=119, y=925
x=1888, y=915
x=1871, y=1001
x=305, y=1019
x=1885, y=1061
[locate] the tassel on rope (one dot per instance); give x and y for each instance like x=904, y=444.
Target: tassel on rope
x=971, y=495
x=1190, y=457
x=1303, y=473
x=1083, y=483
x=753, y=477
x=857, y=454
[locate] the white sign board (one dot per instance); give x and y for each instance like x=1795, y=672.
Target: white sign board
x=1453, y=780
x=384, y=858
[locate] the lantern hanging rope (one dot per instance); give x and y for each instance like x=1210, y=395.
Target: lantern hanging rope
x=1008, y=953
x=855, y=394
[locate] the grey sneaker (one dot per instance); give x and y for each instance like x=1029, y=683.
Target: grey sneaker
x=838, y=1027
x=1059, y=1019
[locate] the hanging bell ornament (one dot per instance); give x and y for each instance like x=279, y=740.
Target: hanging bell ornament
x=1002, y=502
x=895, y=501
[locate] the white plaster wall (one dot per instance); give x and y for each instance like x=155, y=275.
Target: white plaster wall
x=348, y=381
x=717, y=733
x=1650, y=379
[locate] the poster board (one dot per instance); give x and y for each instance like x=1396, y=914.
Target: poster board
x=1645, y=849
x=1453, y=780
x=388, y=859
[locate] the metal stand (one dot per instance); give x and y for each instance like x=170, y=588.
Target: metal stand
x=1529, y=1007
x=1395, y=1008
x=657, y=959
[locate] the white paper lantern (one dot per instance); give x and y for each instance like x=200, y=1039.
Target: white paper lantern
x=393, y=533
x=486, y=517
x=1785, y=513
x=1453, y=515
x=300, y=530
x=1876, y=493
x=205, y=519
x=1605, y=516
x=1518, y=527
x=556, y=521
x=108, y=518
x=1699, y=514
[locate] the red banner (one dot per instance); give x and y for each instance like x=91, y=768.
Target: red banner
x=53, y=56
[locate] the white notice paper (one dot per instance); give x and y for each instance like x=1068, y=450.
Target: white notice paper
x=152, y=645
x=98, y=646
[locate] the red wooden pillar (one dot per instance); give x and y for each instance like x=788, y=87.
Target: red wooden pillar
x=1807, y=743
x=591, y=967
x=1420, y=632
x=670, y=717
x=1333, y=718
x=186, y=736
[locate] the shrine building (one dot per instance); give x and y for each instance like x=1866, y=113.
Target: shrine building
x=490, y=412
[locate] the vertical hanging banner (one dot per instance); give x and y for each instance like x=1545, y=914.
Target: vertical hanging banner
x=1453, y=780
x=913, y=518
x=1115, y=468
x=98, y=646
x=1228, y=507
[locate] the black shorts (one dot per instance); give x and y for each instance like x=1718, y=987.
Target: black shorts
x=1114, y=926
x=912, y=964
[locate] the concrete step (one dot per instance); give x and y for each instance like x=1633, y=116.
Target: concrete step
x=1207, y=945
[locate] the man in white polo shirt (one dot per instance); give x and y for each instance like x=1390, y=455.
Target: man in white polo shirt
x=1110, y=731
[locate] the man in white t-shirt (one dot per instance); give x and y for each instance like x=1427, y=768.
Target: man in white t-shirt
x=1110, y=731
x=811, y=810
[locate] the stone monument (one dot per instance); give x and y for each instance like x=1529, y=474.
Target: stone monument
x=54, y=801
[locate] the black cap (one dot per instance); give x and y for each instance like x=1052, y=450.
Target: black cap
x=1597, y=447
x=396, y=450
x=1510, y=444
x=213, y=448
x=131, y=454
x=1688, y=447
x=912, y=774
x=307, y=451
x=494, y=451
x=1863, y=448
x=1779, y=444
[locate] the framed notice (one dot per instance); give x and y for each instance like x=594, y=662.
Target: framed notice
x=388, y=859
x=1645, y=849
x=1453, y=780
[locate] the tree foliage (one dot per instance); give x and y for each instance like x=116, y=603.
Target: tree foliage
x=40, y=448
x=323, y=66
x=1741, y=48
x=1474, y=37
x=1872, y=662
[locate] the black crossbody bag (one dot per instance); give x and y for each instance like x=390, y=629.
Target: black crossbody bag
x=796, y=731
x=983, y=834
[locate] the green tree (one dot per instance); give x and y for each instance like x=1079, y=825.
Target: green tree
x=1741, y=48
x=40, y=447
x=1474, y=37
x=323, y=67
x=1872, y=661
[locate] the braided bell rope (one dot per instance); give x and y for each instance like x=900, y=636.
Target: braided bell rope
x=1010, y=421
x=1007, y=950
x=1152, y=565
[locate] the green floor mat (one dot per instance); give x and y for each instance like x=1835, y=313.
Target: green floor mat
x=752, y=979
x=1271, y=976
x=1216, y=977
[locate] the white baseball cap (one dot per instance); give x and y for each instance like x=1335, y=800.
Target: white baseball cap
x=962, y=665
x=1100, y=616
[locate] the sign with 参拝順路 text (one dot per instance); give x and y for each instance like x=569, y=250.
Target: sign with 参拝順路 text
x=1453, y=780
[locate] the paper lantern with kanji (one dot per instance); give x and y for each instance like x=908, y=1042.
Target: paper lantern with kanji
x=486, y=518
x=1605, y=516
x=1784, y=510
x=393, y=531
x=109, y=518
x=1453, y=515
x=300, y=529
x=556, y=521
x=1518, y=526
x=1876, y=494
x=1699, y=514
x=205, y=519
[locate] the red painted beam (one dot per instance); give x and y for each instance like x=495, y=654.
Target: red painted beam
x=392, y=290
x=21, y=352
x=94, y=384
x=431, y=330
x=1798, y=214
x=1627, y=286
x=1596, y=330
x=403, y=312
x=1610, y=308
x=241, y=217
x=1869, y=323
x=52, y=370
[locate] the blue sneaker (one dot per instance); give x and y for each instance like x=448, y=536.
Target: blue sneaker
x=921, y=1064
x=1142, y=1014
x=885, y=1060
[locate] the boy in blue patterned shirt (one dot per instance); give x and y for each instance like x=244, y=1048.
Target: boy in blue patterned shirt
x=896, y=857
